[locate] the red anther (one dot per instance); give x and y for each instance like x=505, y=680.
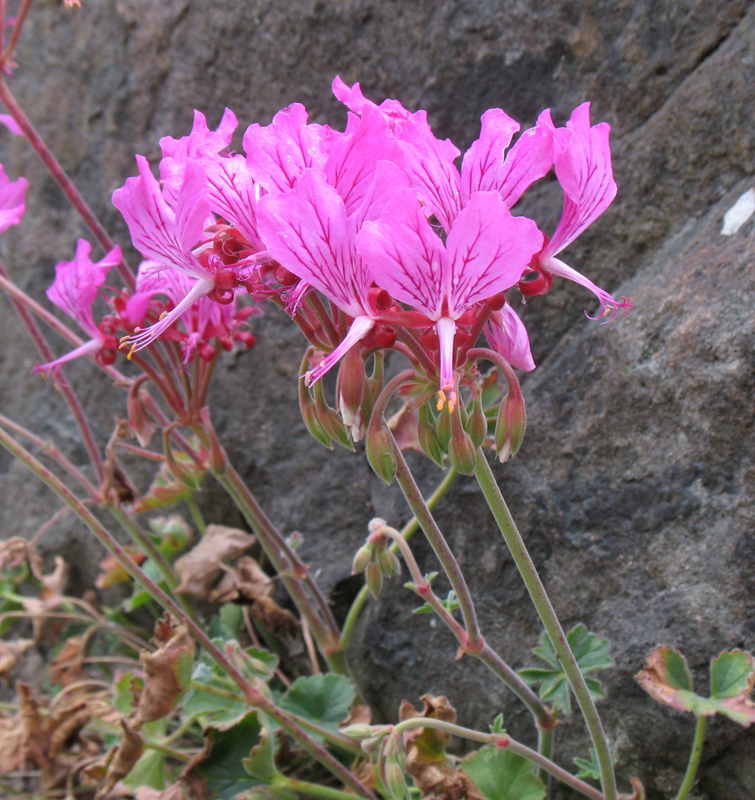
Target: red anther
x=430, y=340
x=384, y=337
x=502, y=742
x=539, y=283
x=106, y=357
x=380, y=299
x=223, y=296
x=285, y=277
x=225, y=279
x=206, y=351
x=497, y=301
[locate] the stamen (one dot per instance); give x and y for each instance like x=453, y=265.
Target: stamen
x=452, y=402
x=441, y=400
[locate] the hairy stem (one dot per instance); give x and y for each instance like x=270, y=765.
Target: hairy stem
x=555, y=632
x=64, y=182
x=506, y=742
x=254, y=696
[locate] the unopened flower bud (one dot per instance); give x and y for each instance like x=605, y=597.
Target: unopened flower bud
x=218, y=460
x=350, y=392
x=139, y=422
x=394, y=780
x=428, y=438
x=511, y=422
x=477, y=423
x=309, y=415
x=371, y=745
x=372, y=387
x=186, y=473
x=330, y=420
x=374, y=578
x=379, y=447
x=359, y=731
x=389, y=563
x=443, y=428
x=461, y=451
x=361, y=559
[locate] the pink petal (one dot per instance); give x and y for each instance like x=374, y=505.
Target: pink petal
x=488, y=250
x=507, y=335
x=529, y=159
x=12, y=200
x=583, y=167
x=308, y=231
x=152, y=223
x=233, y=195
x=482, y=164
x=352, y=161
x=200, y=143
x=75, y=286
x=405, y=254
x=386, y=181
x=11, y=124
x=277, y=154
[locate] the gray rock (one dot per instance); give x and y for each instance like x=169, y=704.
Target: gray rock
x=634, y=486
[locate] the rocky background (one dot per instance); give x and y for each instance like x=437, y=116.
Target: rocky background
x=634, y=488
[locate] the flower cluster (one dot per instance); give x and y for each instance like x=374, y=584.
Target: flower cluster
x=410, y=250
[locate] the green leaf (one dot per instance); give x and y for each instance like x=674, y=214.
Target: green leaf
x=140, y=596
x=321, y=698
x=497, y=725
x=123, y=697
x=666, y=678
x=503, y=775
x=588, y=768
x=731, y=674
x=223, y=770
x=149, y=770
x=210, y=709
x=261, y=762
x=227, y=623
x=591, y=655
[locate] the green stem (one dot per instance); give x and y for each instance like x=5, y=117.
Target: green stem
x=694, y=758
x=545, y=748
x=196, y=514
x=310, y=789
x=406, y=532
x=503, y=741
x=254, y=696
x=555, y=632
x=168, y=751
x=292, y=572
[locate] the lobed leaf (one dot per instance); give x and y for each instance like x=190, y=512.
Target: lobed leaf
x=503, y=775
x=321, y=698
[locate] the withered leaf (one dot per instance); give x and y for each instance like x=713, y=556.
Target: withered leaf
x=11, y=749
x=50, y=597
x=166, y=671
x=10, y=654
x=426, y=760
x=173, y=792
x=246, y=580
x=119, y=761
x=68, y=665
x=199, y=568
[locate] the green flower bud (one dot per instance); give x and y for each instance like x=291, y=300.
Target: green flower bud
x=359, y=731
x=428, y=437
x=443, y=428
x=309, y=415
x=511, y=422
x=374, y=578
x=461, y=450
x=380, y=451
x=477, y=424
x=394, y=780
x=388, y=562
x=361, y=559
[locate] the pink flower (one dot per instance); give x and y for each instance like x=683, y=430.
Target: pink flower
x=507, y=335
x=582, y=158
x=74, y=290
x=168, y=235
x=485, y=253
x=12, y=200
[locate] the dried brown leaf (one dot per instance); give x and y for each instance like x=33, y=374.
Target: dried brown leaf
x=359, y=715
x=165, y=670
x=246, y=580
x=174, y=792
x=199, y=568
x=11, y=746
x=68, y=665
x=15, y=551
x=50, y=597
x=276, y=619
x=10, y=654
x=121, y=759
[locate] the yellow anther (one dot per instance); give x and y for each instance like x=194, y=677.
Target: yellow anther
x=452, y=402
x=131, y=352
x=163, y=315
x=124, y=338
x=441, y=400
